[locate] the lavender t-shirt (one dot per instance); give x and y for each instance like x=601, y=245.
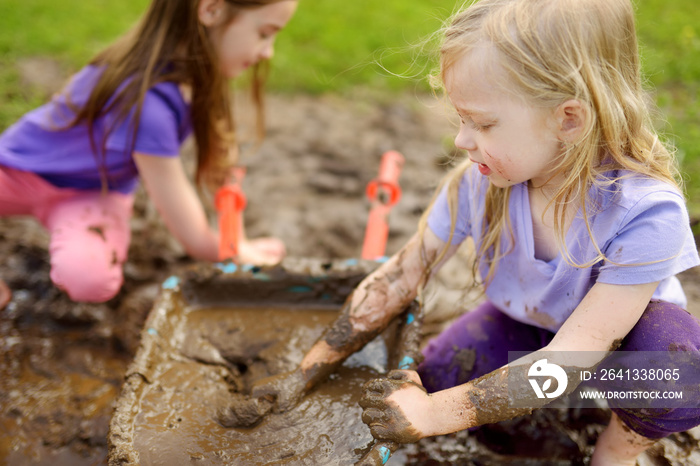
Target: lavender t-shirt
x=640, y=222
x=40, y=143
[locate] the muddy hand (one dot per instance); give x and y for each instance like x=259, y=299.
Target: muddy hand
x=285, y=390
x=244, y=411
x=382, y=403
x=261, y=251
x=278, y=393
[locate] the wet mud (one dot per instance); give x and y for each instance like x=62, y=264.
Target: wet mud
x=196, y=360
x=56, y=397
x=177, y=420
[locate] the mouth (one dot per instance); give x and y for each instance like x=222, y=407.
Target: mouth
x=483, y=168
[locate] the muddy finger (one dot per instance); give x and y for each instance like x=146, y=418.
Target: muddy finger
x=397, y=374
x=403, y=377
x=381, y=431
x=376, y=386
x=373, y=416
x=243, y=411
x=372, y=400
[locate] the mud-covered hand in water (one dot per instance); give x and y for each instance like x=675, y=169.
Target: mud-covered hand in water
x=278, y=393
x=284, y=390
x=243, y=411
x=397, y=408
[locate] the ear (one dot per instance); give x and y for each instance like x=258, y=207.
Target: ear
x=210, y=12
x=571, y=117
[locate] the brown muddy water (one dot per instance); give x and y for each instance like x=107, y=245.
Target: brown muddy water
x=56, y=397
x=177, y=418
x=200, y=349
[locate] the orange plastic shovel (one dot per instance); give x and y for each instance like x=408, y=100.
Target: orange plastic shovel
x=230, y=202
x=383, y=192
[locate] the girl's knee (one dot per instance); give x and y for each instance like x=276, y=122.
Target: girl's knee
x=86, y=286
x=658, y=423
x=87, y=282
x=475, y=344
x=87, y=258
x=664, y=327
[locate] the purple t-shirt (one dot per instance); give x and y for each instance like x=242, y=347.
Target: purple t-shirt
x=40, y=143
x=640, y=222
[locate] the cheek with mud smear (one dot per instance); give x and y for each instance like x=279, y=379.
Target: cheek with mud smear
x=495, y=164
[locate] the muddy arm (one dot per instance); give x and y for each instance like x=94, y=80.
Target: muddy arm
x=377, y=300
x=580, y=344
x=398, y=411
x=368, y=311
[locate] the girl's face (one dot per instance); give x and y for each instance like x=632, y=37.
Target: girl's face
x=250, y=36
x=511, y=141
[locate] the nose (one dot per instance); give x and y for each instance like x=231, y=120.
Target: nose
x=267, y=51
x=465, y=138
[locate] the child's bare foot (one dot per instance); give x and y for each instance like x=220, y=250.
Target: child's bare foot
x=5, y=294
x=619, y=445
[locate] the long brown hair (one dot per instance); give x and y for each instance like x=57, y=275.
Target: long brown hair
x=170, y=44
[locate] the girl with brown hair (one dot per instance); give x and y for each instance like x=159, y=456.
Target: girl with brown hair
x=75, y=162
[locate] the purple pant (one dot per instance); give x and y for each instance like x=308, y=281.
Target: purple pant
x=479, y=342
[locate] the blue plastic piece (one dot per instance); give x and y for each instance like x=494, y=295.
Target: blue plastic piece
x=227, y=268
x=263, y=277
x=171, y=283
x=385, y=453
x=300, y=289
x=406, y=362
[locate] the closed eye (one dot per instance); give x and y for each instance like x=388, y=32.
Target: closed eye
x=268, y=32
x=467, y=120
x=479, y=127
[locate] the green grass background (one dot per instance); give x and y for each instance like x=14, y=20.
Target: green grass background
x=341, y=46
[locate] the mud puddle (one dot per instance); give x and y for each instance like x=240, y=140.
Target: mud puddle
x=220, y=351
x=56, y=397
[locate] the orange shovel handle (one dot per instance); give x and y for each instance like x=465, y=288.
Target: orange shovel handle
x=383, y=192
x=230, y=201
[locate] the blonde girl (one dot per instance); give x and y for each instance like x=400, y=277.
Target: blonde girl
x=75, y=162
x=578, y=222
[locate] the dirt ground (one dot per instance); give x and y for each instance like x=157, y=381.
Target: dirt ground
x=62, y=364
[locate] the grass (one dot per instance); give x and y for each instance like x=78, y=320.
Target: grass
x=339, y=46
x=333, y=46
x=670, y=46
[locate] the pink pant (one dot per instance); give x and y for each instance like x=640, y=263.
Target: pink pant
x=89, y=231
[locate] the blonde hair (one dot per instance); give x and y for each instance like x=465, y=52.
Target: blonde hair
x=553, y=51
